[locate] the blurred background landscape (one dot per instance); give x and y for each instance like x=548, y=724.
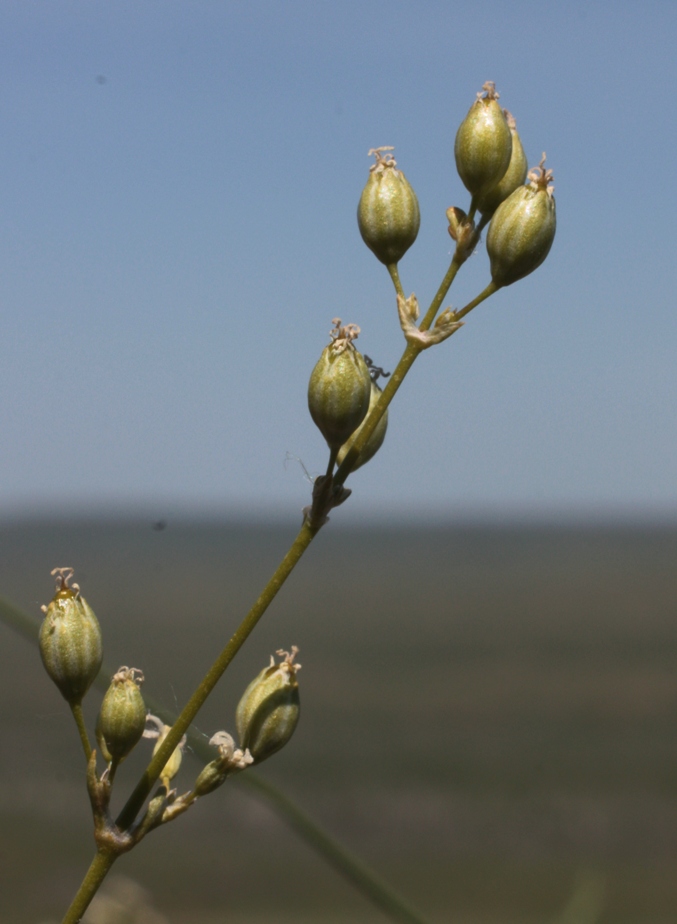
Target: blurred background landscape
x=488, y=714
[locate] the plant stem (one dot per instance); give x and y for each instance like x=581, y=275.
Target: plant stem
x=445, y=285
x=76, y=709
x=102, y=862
x=345, y=863
x=395, y=276
x=96, y=873
x=211, y=678
x=485, y=293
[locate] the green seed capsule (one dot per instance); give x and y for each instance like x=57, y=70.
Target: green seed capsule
x=339, y=387
x=523, y=228
x=70, y=639
x=122, y=718
x=483, y=144
x=230, y=760
x=268, y=712
x=210, y=778
x=374, y=442
x=513, y=177
x=388, y=214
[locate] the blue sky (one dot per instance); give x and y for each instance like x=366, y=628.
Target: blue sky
x=177, y=229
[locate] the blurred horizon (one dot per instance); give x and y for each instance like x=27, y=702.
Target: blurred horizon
x=161, y=516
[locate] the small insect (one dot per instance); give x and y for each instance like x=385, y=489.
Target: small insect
x=374, y=371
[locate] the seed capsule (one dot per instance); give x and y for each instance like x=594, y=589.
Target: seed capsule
x=388, y=214
x=523, y=228
x=483, y=143
x=268, y=712
x=513, y=177
x=70, y=639
x=374, y=442
x=122, y=718
x=339, y=387
x=230, y=760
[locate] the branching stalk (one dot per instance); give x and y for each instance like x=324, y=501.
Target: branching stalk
x=404, y=365
x=353, y=869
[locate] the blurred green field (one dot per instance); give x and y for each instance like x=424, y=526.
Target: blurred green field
x=488, y=713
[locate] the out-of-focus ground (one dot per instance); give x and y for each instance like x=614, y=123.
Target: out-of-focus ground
x=488, y=714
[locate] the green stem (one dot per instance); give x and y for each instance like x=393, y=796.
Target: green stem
x=76, y=709
x=445, y=285
x=112, y=770
x=484, y=221
x=485, y=293
x=332, y=461
x=306, y=535
x=395, y=276
x=90, y=885
x=345, y=863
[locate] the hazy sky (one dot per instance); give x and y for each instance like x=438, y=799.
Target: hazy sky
x=177, y=229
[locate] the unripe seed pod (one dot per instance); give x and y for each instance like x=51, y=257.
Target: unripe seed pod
x=230, y=760
x=523, y=228
x=339, y=387
x=70, y=640
x=122, y=718
x=160, y=731
x=388, y=214
x=374, y=442
x=483, y=143
x=210, y=778
x=513, y=177
x=268, y=712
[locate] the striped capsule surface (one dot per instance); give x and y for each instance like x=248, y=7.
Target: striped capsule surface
x=70, y=640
